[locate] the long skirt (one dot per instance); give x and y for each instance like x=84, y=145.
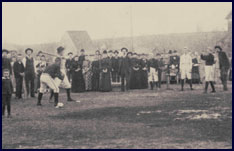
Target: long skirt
x=88, y=80
x=78, y=83
x=195, y=75
x=95, y=81
x=144, y=80
x=105, y=82
x=135, y=79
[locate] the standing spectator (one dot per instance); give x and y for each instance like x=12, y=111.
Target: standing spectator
x=115, y=67
x=153, y=71
x=87, y=74
x=78, y=83
x=224, y=66
x=13, y=60
x=28, y=63
x=135, y=81
x=96, y=71
x=68, y=65
x=41, y=66
x=160, y=68
x=209, y=70
x=144, y=72
x=6, y=62
x=186, y=68
x=105, y=75
x=195, y=69
x=6, y=92
x=19, y=75
x=124, y=69
x=82, y=56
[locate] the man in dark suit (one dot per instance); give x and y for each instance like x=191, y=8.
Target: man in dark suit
x=115, y=66
x=6, y=62
x=224, y=65
x=124, y=69
x=18, y=68
x=29, y=69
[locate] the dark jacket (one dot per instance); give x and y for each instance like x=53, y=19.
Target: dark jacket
x=96, y=66
x=6, y=64
x=223, y=60
x=209, y=59
x=115, y=64
x=153, y=63
x=18, y=68
x=144, y=64
x=124, y=65
x=174, y=60
x=105, y=64
x=69, y=63
x=7, y=87
x=54, y=71
x=29, y=66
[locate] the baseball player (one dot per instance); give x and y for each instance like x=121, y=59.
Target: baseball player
x=65, y=82
x=47, y=78
x=209, y=69
x=186, y=68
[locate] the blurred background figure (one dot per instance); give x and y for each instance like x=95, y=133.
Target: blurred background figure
x=96, y=71
x=78, y=83
x=68, y=65
x=87, y=73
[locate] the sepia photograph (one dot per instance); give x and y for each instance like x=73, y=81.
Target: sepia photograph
x=116, y=75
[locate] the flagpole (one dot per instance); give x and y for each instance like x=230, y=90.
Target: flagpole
x=131, y=24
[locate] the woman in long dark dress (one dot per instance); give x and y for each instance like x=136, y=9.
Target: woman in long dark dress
x=135, y=79
x=195, y=70
x=144, y=73
x=78, y=84
x=105, y=76
x=96, y=71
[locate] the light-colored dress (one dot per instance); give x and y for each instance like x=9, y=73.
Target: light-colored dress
x=87, y=74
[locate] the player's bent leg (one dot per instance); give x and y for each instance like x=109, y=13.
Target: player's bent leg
x=66, y=84
x=41, y=91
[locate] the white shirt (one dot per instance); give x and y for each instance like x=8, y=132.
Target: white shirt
x=186, y=61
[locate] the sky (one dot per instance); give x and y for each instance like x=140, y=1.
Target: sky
x=34, y=23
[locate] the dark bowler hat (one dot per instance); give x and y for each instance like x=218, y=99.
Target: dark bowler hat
x=28, y=49
x=218, y=48
x=60, y=49
x=116, y=51
x=104, y=52
x=4, y=50
x=82, y=50
x=70, y=53
x=124, y=49
x=110, y=51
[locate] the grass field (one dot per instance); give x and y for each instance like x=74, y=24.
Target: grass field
x=135, y=119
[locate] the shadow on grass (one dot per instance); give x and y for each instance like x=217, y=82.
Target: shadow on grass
x=163, y=116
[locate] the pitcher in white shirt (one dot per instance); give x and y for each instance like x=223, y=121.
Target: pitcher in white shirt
x=186, y=68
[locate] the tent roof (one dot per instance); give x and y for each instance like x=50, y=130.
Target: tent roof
x=81, y=40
